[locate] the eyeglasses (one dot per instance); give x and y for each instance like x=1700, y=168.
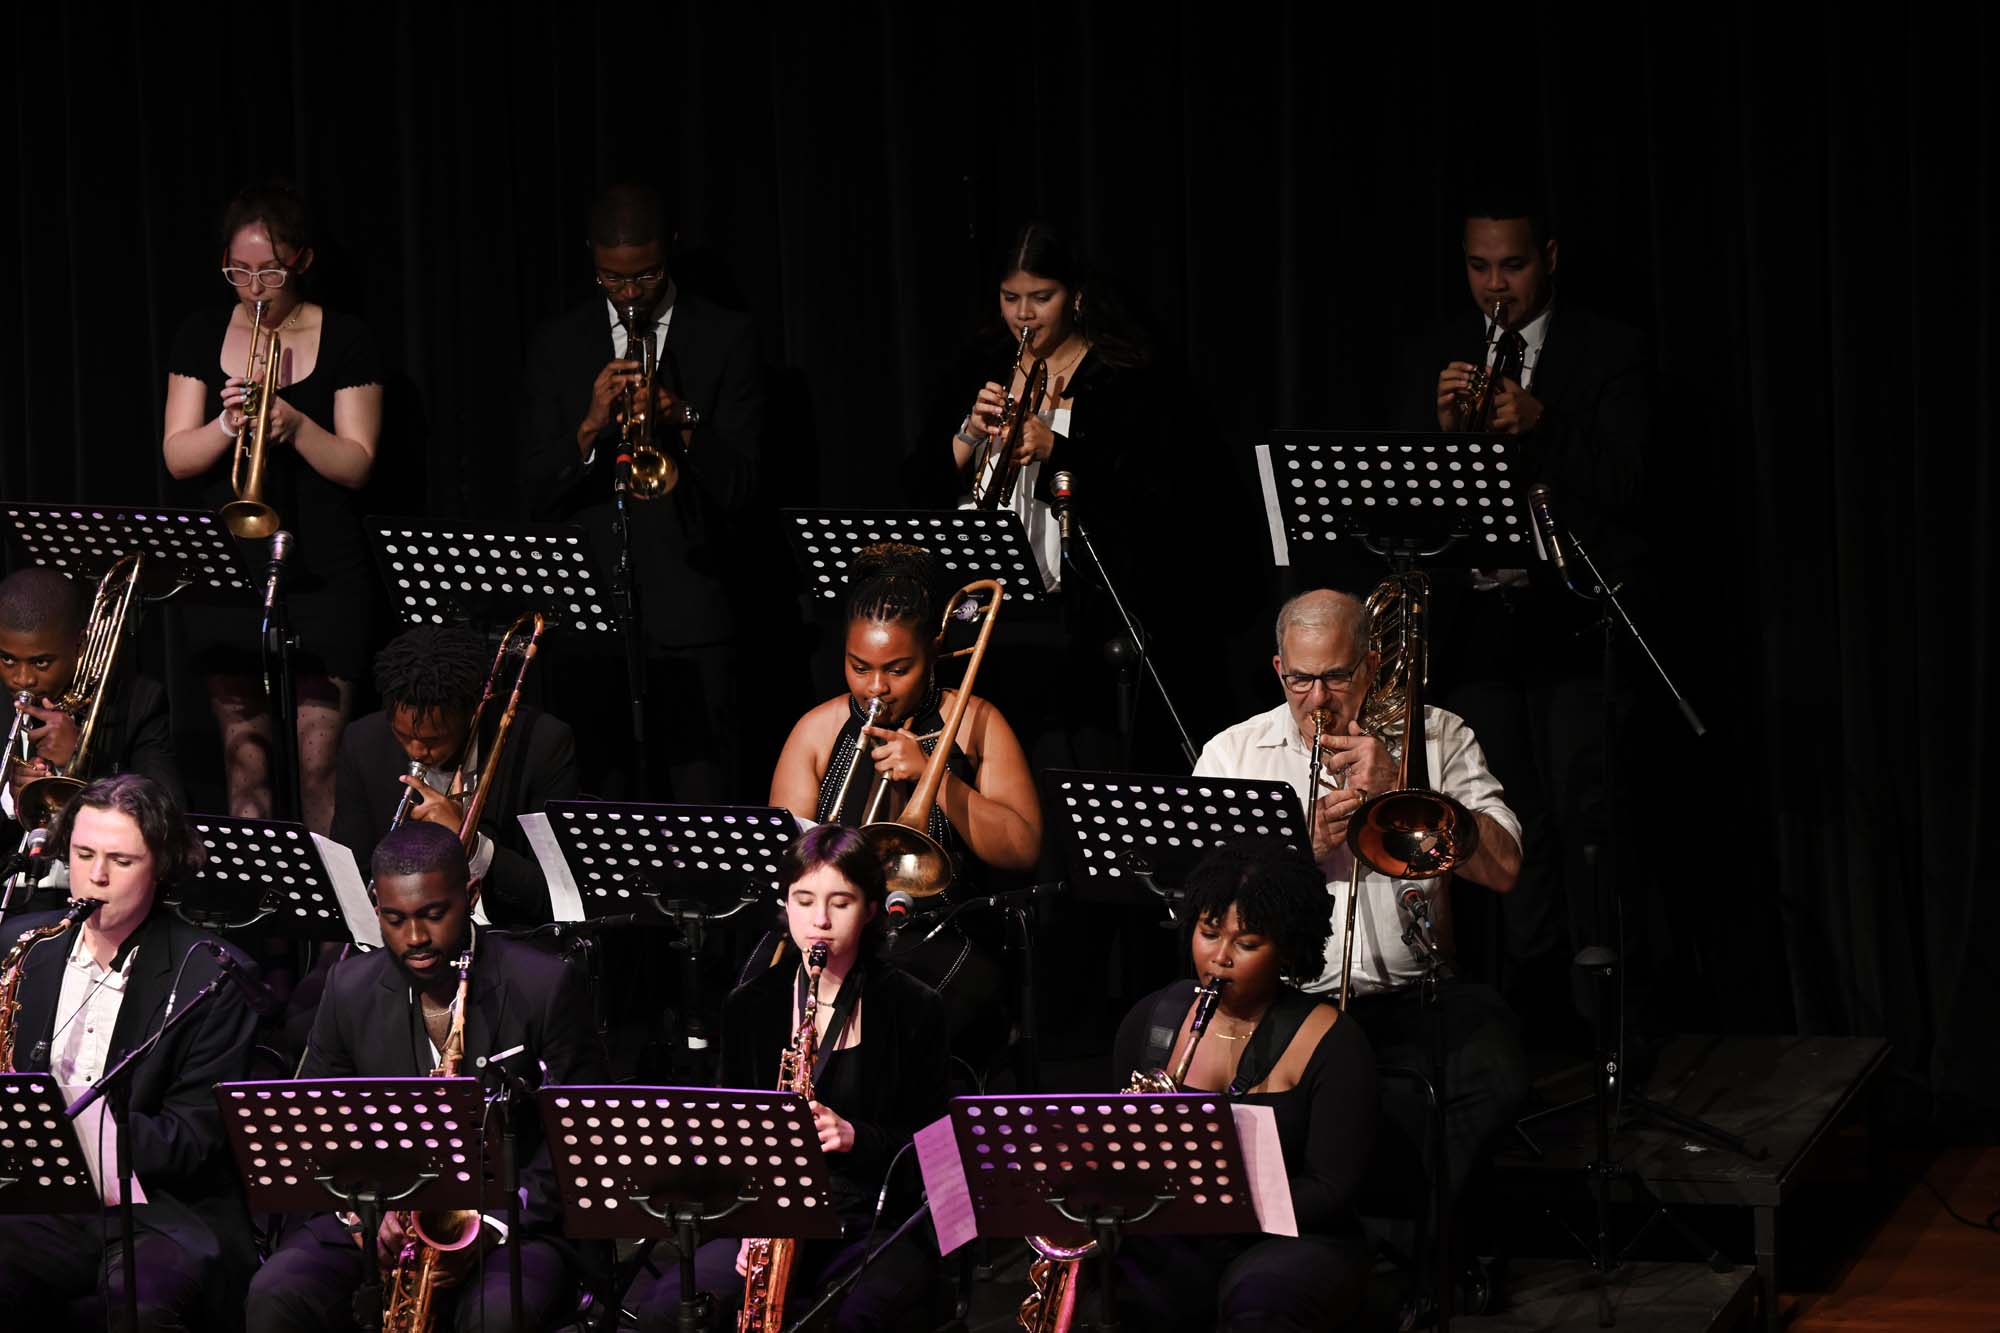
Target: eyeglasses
x=1335, y=681
x=243, y=277
x=648, y=280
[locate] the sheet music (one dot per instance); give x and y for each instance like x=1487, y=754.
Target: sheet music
x=1264, y=1156
x=565, y=902
x=944, y=1183
x=351, y=890
x=98, y=1133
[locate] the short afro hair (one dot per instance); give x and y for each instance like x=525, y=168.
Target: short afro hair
x=420, y=848
x=1278, y=893
x=33, y=600
x=432, y=667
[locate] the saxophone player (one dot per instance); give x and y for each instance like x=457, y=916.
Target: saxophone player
x=87, y=997
x=388, y=1013
x=878, y=1074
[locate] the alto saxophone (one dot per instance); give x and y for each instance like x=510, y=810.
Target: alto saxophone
x=15, y=963
x=408, y=1307
x=1051, y=1301
x=768, y=1267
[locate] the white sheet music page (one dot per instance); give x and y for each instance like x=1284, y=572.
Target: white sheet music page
x=565, y=902
x=98, y=1133
x=1264, y=1157
x=355, y=910
x=944, y=1183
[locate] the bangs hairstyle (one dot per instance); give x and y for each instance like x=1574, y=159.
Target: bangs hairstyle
x=178, y=855
x=418, y=848
x=279, y=207
x=1278, y=893
x=850, y=856
x=893, y=583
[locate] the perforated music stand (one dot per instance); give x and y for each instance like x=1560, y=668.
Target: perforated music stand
x=443, y=572
x=967, y=544
x=1131, y=836
x=639, y=1163
x=1076, y=1167
x=264, y=873
x=42, y=1163
x=185, y=549
x=1448, y=500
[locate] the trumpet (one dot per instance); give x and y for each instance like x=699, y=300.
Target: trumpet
x=1477, y=400
x=247, y=515
x=654, y=469
x=995, y=474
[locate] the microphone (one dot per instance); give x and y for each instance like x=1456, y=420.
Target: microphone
x=30, y=857
x=1545, y=524
x=899, y=906
x=1061, y=487
x=254, y=992
x=1417, y=903
x=281, y=550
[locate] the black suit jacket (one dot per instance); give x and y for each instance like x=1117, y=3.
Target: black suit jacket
x=135, y=735
x=539, y=766
x=904, y=1071
x=370, y=1025
x=179, y=1152
x=680, y=542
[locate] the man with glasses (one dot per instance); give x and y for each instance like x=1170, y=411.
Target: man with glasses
x=1323, y=661
x=708, y=414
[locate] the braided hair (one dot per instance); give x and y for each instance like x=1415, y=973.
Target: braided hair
x=1277, y=892
x=893, y=583
x=432, y=668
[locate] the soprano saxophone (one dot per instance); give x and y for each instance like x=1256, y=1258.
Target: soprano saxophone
x=768, y=1267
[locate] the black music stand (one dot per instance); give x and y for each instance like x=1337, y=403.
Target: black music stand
x=1080, y=1166
x=1134, y=836
x=967, y=544
x=443, y=572
x=693, y=865
x=690, y=1163
x=372, y=1145
x=271, y=874
x=43, y=1168
x=1441, y=498
x=188, y=551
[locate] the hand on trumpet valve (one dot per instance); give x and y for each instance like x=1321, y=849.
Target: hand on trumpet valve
x=1454, y=394
x=240, y=396
x=56, y=739
x=897, y=755
x=988, y=409
x=434, y=807
x=607, y=395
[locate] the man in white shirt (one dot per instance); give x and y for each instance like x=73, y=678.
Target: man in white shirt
x=86, y=998
x=1323, y=660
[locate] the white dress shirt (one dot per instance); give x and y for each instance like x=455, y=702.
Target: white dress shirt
x=1269, y=746
x=1533, y=334
x=86, y=1011
x=439, y=779
x=1044, y=533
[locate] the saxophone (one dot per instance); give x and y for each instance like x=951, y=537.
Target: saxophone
x=15, y=963
x=412, y=1287
x=1051, y=1301
x=768, y=1267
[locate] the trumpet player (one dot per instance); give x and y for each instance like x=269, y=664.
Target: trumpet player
x=1324, y=661
x=430, y=679
x=878, y=1074
x=323, y=400
x=41, y=634
x=1255, y=918
x=387, y=1014
x=707, y=417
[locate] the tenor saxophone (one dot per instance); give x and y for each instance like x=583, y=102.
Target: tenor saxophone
x=410, y=1297
x=768, y=1267
x=1051, y=1300
x=15, y=963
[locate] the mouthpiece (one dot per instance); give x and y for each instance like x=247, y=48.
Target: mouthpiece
x=816, y=957
x=80, y=910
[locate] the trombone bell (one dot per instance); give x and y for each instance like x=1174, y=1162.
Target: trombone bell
x=1412, y=834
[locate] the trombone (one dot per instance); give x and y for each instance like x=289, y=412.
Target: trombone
x=247, y=515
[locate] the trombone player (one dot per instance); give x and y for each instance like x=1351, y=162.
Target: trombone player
x=1325, y=659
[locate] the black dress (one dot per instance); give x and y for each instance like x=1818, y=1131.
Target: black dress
x=331, y=584
x=1326, y=1126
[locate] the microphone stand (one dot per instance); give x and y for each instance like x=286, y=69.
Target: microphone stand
x=276, y=643
x=624, y=590
x=848, y=1279
x=1017, y=902
x=115, y=1084
x=1133, y=631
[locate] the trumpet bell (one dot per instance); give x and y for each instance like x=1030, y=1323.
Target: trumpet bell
x=44, y=798
x=653, y=473
x=249, y=519
x=1412, y=834
x=911, y=861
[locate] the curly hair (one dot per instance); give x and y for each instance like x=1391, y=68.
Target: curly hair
x=178, y=855
x=893, y=583
x=1278, y=893
x=432, y=667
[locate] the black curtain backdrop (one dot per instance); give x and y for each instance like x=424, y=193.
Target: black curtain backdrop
x=1800, y=214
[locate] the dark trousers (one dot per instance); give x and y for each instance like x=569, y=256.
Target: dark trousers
x=894, y=1287
x=1307, y=1284
x=63, y=1272
x=308, y=1286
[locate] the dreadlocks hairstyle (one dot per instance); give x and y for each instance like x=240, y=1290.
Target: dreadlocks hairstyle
x=34, y=599
x=178, y=855
x=432, y=667
x=1277, y=892
x=417, y=848
x=893, y=583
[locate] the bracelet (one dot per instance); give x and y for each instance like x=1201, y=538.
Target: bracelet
x=971, y=441
x=222, y=424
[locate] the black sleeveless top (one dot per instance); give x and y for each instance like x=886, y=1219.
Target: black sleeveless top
x=847, y=748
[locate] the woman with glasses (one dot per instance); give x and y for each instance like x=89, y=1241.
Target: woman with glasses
x=325, y=415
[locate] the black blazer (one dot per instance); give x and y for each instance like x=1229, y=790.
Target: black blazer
x=680, y=542
x=135, y=735
x=370, y=1025
x=905, y=1077
x=539, y=766
x=179, y=1151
